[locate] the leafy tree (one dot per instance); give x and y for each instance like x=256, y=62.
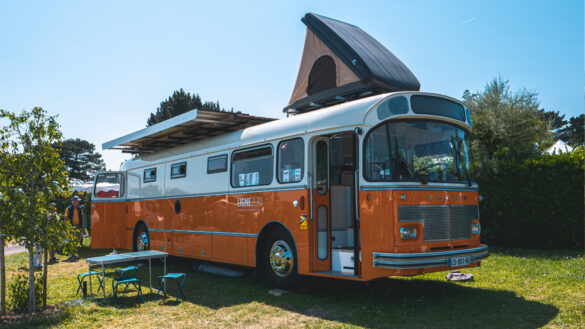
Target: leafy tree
x=506, y=124
x=554, y=119
x=6, y=223
x=38, y=173
x=178, y=103
x=81, y=159
x=573, y=133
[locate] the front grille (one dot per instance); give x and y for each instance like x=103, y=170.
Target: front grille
x=441, y=223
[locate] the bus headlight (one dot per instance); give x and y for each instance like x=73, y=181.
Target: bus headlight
x=475, y=228
x=407, y=233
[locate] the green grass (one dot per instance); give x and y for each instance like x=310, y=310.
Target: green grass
x=514, y=288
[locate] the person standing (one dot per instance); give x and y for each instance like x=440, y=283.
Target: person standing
x=87, y=213
x=74, y=215
x=53, y=216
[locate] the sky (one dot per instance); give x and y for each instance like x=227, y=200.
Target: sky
x=104, y=66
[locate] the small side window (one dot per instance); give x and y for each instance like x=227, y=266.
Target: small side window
x=217, y=164
x=109, y=186
x=291, y=160
x=179, y=170
x=252, y=167
x=149, y=175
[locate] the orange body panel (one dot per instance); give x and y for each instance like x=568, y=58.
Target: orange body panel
x=379, y=217
x=108, y=224
x=224, y=228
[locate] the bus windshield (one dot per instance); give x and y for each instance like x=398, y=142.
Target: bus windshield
x=417, y=150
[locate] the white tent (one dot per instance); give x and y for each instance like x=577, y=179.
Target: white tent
x=558, y=148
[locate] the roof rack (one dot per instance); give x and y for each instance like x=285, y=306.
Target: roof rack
x=182, y=129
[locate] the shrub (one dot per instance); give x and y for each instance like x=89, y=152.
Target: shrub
x=535, y=203
x=18, y=292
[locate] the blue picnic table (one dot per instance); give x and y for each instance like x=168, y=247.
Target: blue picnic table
x=126, y=258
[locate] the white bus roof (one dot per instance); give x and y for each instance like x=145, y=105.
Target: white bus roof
x=344, y=115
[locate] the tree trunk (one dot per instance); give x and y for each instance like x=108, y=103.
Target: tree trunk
x=2, y=274
x=45, y=268
x=31, y=280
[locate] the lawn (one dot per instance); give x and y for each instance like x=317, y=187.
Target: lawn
x=514, y=288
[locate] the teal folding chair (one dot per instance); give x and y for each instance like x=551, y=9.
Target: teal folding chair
x=116, y=282
x=176, y=277
x=81, y=277
x=125, y=273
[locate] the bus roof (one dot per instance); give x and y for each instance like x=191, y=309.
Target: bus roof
x=337, y=117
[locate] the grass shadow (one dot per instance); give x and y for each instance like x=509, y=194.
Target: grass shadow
x=393, y=302
x=381, y=303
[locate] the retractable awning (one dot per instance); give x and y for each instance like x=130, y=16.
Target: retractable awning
x=182, y=129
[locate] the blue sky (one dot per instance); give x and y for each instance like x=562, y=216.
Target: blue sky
x=103, y=66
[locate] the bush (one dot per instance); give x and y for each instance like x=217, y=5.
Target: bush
x=18, y=292
x=535, y=203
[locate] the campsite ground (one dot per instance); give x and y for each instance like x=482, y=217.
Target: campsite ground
x=514, y=288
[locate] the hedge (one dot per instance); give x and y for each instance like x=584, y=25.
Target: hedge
x=535, y=203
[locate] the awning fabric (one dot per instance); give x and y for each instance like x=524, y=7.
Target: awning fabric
x=340, y=61
x=182, y=129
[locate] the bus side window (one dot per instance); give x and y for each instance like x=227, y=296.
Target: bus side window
x=291, y=159
x=217, y=164
x=109, y=186
x=252, y=167
x=149, y=175
x=322, y=168
x=179, y=170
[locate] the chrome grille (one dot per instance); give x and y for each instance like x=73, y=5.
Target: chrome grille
x=441, y=223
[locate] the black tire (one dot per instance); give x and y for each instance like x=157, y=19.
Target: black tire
x=283, y=271
x=141, y=238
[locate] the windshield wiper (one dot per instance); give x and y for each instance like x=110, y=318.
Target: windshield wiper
x=459, y=157
x=420, y=176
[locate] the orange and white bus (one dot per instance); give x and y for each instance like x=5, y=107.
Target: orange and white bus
x=365, y=189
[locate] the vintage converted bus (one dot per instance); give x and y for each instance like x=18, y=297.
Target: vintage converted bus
x=365, y=189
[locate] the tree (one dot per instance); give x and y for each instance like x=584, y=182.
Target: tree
x=80, y=157
x=573, y=133
x=37, y=174
x=178, y=103
x=506, y=124
x=555, y=120
x=5, y=219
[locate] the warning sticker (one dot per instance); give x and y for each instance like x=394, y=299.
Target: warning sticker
x=303, y=222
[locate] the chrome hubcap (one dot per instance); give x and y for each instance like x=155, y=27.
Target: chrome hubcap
x=281, y=258
x=142, y=241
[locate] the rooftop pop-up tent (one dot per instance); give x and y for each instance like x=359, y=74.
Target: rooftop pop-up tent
x=340, y=61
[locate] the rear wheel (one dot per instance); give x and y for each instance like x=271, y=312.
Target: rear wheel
x=280, y=260
x=141, y=239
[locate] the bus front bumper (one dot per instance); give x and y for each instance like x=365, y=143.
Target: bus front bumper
x=450, y=258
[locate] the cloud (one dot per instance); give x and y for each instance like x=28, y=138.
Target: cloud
x=465, y=22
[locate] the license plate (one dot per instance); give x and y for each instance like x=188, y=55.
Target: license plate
x=459, y=261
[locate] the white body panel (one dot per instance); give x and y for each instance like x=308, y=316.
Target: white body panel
x=343, y=117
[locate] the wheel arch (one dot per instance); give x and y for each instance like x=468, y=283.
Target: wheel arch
x=139, y=223
x=265, y=231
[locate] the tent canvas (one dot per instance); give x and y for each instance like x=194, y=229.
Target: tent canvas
x=559, y=147
x=340, y=61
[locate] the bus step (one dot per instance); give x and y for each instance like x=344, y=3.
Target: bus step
x=342, y=274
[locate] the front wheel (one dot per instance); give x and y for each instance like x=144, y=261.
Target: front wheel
x=280, y=260
x=141, y=239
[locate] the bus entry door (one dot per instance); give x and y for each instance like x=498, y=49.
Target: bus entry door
x=320, y=228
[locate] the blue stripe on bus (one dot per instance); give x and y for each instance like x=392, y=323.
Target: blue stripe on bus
x=382, y=188
x=291, y=188
x=249, y=235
